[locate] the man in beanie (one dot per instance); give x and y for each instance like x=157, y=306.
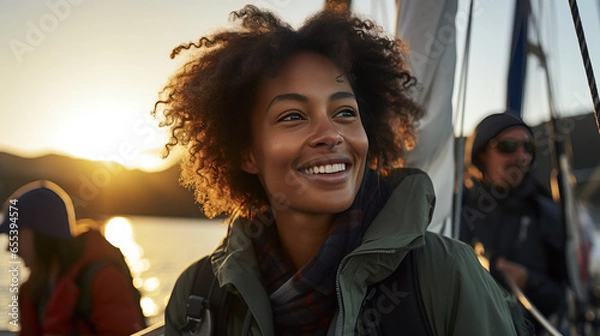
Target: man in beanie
x=40, y=222
x=509, y=218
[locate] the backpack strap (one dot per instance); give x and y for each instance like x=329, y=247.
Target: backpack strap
x=84, y=282
x=205, y=303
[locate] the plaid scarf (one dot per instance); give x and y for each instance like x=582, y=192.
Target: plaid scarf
x=303, y=302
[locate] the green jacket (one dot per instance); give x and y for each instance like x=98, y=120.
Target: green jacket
x=459, y=295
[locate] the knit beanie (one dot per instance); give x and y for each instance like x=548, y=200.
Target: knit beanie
x=41, y=206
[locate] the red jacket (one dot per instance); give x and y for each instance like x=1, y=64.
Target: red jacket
x=114, y=307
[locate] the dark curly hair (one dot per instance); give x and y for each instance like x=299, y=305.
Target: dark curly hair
x=207, y=103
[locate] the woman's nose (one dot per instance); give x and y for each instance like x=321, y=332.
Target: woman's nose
x=325, y=134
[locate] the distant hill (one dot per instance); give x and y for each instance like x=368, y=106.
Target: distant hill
x=100, y=189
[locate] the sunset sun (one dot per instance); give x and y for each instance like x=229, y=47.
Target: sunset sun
x=110, y=131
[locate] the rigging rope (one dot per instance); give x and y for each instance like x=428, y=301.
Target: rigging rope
x=462, y=93
x=585, y=56
x=556, y=142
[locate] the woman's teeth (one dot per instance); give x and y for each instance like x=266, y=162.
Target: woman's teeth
x=326, y=169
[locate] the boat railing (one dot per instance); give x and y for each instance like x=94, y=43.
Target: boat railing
x=157, y=329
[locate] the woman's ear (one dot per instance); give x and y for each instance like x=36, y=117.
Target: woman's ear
x=249, y=163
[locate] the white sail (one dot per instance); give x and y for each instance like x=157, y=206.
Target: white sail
x=430, y=30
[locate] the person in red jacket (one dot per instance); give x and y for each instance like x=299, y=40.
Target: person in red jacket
x=78, y=284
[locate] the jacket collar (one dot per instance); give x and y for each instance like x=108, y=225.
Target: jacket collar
x=403, y=221
x=398, y=228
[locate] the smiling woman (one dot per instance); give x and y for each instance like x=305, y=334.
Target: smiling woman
x=299, y=136
x=322, y=110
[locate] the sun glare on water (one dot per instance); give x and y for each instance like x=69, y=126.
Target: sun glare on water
x=119, y=232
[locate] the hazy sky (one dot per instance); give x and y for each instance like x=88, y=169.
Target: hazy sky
x=80, y=77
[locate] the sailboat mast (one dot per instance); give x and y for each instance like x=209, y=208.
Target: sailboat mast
x=518, y=59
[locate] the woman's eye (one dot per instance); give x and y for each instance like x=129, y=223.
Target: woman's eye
x=346, y=113
x=291, y=117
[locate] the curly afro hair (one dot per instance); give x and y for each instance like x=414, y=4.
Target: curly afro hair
x=207, y=103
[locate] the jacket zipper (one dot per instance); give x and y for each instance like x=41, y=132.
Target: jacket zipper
x=340, y=320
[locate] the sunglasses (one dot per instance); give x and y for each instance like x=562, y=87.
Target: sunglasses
x=510, y=146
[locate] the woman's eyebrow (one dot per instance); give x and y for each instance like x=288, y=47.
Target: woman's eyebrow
x=301, y=98
x=342, y=95
x=287, y=97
